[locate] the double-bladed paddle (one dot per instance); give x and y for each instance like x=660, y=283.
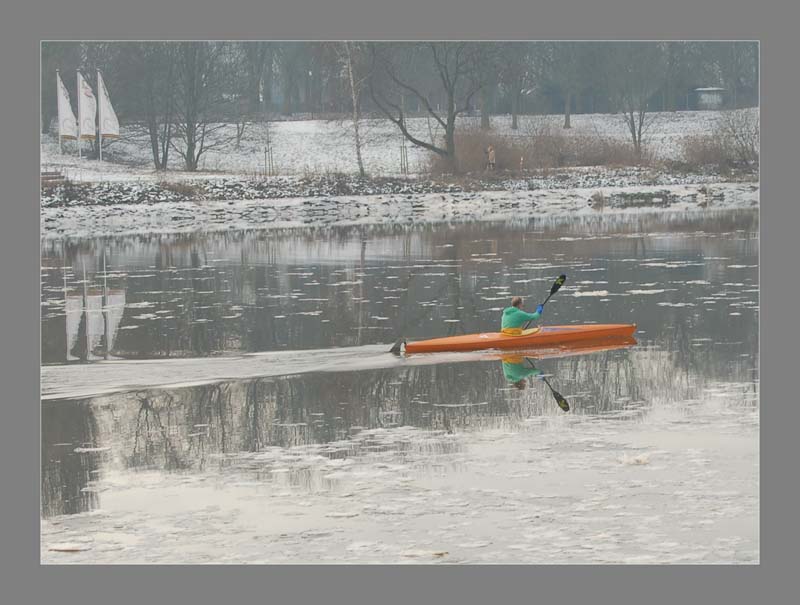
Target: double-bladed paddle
x=554, y=288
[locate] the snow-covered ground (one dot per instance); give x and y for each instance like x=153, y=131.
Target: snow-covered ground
x=319, y=147
x=177, y=217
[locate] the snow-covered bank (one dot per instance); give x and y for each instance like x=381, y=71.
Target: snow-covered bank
x=239, y=188
x=398, y=208
x=326, y=146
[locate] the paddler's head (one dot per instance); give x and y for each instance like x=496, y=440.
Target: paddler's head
x=516, y=302
x=521, y=384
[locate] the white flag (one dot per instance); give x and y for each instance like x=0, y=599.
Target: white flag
x=87, y=110
x=67, y=124
x=109, y=125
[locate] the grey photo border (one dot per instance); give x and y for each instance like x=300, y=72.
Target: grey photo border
x=24, y=580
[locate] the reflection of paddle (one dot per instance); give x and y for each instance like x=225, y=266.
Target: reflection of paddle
x=560, y=400
x=556, y=286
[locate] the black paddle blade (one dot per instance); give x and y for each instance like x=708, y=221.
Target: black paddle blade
x=562, y=403
x=558, y=283
x=560, y=400
x=397, y=347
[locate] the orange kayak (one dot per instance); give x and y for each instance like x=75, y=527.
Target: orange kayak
x=545, y=336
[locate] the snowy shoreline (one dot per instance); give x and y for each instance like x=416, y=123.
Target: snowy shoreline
x=83, y=221
x=312, y=147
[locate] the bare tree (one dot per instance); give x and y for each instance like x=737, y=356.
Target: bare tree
x=200, y=78
x=291, y=61
x=519, y=69
x=634, y=73
x=256, y=61
x=566, y=69
x=488, y=63
x=393, y=74
x=738, y=131
x=148, y=93
x=352, y=55
x=678, y=63
x=736, y=64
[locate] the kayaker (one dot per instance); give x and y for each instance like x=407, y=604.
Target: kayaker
x=514, y=317
x=516, y=370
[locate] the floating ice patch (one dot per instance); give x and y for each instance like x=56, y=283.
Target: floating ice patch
x=640, y=459
x=68, y=547
x=424, y=554
x=673, y=265
x=342, y=514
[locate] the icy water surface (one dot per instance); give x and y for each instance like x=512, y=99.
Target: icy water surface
x=246, y=291
x=426, y=460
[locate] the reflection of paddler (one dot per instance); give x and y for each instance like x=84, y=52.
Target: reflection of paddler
x=516, y=370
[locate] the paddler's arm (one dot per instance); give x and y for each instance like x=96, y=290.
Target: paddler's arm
x=531, y=316
x=534, y=371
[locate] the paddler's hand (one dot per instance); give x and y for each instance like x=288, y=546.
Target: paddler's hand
x=540, y=309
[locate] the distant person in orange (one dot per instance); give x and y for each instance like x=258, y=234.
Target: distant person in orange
x=490, y=157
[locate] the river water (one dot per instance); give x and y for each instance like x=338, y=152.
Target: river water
x=228, y=397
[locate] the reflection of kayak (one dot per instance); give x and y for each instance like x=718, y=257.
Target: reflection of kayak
x=568, y=349
x=546, y=336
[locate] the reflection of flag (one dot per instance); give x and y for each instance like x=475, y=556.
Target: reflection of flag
x=115, y=309
x=74, y=311
x=87, y=110
x=95, y=324
x=67, y=124
x=109, y=125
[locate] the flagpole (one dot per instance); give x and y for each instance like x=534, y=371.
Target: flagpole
x=66, y=296
x=79, y=114
x=85, y=308
x=99, y=117
x=105, y=303
x=58, y=100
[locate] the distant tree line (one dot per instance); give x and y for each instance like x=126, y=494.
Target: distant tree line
x=178, y=94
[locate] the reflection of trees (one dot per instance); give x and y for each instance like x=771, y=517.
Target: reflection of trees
x=257, y=417
x=154, y=436
x=66, y=474
x=183, y=428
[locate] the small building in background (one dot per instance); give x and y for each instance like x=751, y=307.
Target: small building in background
x=709, y=98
